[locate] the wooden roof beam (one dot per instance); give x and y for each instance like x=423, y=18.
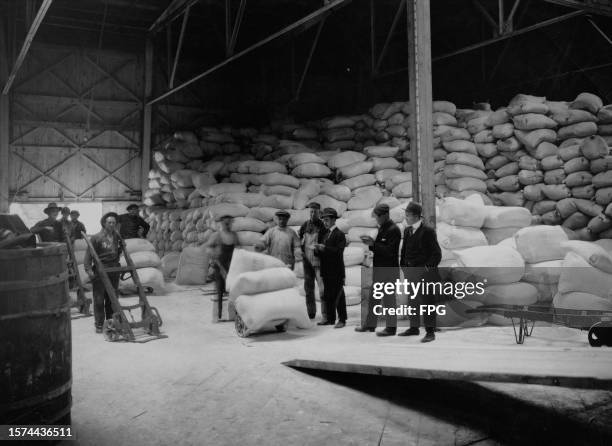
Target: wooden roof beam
x=40, y=15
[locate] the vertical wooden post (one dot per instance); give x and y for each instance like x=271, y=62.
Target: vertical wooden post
x=421, y=131
x=146, y=116
x=4, y=118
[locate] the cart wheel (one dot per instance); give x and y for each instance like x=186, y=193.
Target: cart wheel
x=241, y=328
x=594, y=341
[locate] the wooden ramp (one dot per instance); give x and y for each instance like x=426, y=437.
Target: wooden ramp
x=589, y=368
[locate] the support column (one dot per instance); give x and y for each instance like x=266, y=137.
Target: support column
x=421, y=131
x=4, y=118
x=146, y=116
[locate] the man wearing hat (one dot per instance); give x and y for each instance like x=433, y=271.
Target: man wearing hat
x=310, y=233
x=132, y=225
x=78, y=228
x=281, y=241
x=49, y=229
x=331, y=253
x=221, y=246
x=65, y=221
x=419, y=259
x=386, y=268
x=108, y=249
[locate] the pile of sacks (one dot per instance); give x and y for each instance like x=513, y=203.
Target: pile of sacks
x=388, y=124
x=585, y=281
x=264, y=292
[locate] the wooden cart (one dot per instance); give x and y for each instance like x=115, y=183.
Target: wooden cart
x=119, y=327
x=524, y=317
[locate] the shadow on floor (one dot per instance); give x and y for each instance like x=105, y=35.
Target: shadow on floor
x=504, y=418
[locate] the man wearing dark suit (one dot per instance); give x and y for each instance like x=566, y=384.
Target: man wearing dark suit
x=386, y=267
x=331, y=252
x=420, y=257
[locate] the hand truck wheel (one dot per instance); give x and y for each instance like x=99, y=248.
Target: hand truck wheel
x=594, y=341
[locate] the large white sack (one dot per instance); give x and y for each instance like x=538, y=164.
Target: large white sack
x=355, y=233
x=244, y=261
x=248, y=238
x=364, y=198
x=540, y=243
x=591, y=252
x=462, y=212
x=345, y=158
x=257, y=282
x=381, y=151
x=298, y=217
x=353, y=276
x=133, y=245
x=352, y=295
x=202, y=179
x=193, y=266
x=222, y=188
x=497, y=264
x=506, y=216
x=518, y=293
x=359, y=181
x=169, y=264
x=149, y=277
x=143, y=259
x=457, y=237
x=578, y=275
x=248, y=199
x=304, y=158
x=361, y=218
x=353, y=255
x=403, y=190
x=264, y=214
x=311, y=170
x=261, y=310
x=581, y=301
x=510, y=242
x=273, y=179
x=277, y=201
x=543, y=272
x=356, y=169
x=217, y=211
x=248, y=224
x=496, y=235
x=337, y=191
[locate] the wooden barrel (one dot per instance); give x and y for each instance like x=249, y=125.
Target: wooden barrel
x=35, y=336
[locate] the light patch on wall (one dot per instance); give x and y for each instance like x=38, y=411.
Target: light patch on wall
x=30, y=213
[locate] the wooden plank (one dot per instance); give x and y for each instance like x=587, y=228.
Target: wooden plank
x=599, y=9
x=421, y=109
x=566, y=367
x=146, y=117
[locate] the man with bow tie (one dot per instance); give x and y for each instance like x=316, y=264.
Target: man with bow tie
x=419, y=259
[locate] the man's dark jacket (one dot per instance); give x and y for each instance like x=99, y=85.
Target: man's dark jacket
x=332, y=257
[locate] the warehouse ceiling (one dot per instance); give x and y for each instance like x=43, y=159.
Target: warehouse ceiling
x=558, y=61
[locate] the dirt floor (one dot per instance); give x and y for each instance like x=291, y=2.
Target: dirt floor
x=204, y=385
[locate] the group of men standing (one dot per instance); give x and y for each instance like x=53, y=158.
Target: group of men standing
x=106, y=244
x=319, y=244
x=418, y=258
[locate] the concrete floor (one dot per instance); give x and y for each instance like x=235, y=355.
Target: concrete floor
x=203, y=385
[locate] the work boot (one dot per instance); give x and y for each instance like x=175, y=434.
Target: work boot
x=429, y=336
x=98, y=330
x=412, y=331
x=363, y=329
x=386, y=332
x=325, y=323
x=340, y=324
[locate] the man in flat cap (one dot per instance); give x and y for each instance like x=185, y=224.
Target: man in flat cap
x=281, y=241
x=132, y=225
x=386, y=268
x=310, y=233
x=49, y=229
x=331, y=253
x=78, y=228
x=419, y=259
